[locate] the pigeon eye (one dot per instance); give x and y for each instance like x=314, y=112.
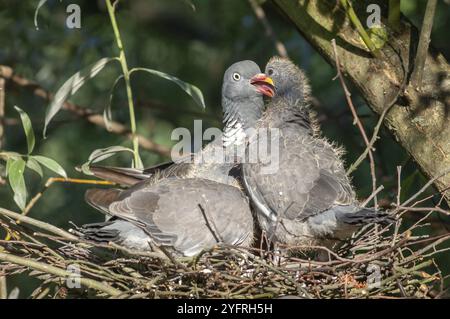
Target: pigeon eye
x=236, y=76
x=270, y=72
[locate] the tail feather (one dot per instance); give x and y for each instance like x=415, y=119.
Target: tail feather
x=341, y=221
x=364, y=216
x=122, y=176
x=127, y=176
x=101, y=198
x=98, y=232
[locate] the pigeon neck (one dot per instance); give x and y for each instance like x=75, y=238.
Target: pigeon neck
x=294, y=98
x=290, y=111
x=239, y=116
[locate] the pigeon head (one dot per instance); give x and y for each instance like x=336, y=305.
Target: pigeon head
x=290, y=82
x=242, y=102
x=237, y=81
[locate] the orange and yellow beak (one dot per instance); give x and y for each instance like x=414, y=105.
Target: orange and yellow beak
x=263, y=84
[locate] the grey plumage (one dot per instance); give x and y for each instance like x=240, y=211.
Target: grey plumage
x=309, y=199
x=183, y=215
x=242, y=106
x=186, y=206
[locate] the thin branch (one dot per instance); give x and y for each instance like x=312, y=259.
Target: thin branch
x=3, y=288
x=424, y=41
x=38, y=224
x=46, y=268
x=52, y=180
x=394, y=14
x=211, y=226
x=126, y=75
x=372, y=141
x=2, y=109
x=425, y=209
x=424, y=188
x=359, y=27
x=261, y=15
x=83, y=112
x=357, y=121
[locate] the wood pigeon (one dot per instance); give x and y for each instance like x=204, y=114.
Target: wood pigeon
x=242, y=105
x=184, y=215
x=308, y=199
x=184, y=206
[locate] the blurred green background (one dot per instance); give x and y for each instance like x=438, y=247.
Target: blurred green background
x=194, y=40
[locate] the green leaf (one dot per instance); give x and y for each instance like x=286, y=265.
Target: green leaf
x=190, y=89
x=34, y=166
x=102, y=154
x=107, y=114
x=40, y=4
x=15, y=176
x=27, y=127
x=379, y=36
x=71, y=86
x=51, y=165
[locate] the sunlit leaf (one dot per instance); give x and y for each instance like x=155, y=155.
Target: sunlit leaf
x=107, y=114
x=34, y=166
x=16, y=169
x=190, y=89
x=9, y=157
x=189, y=3
x=50, y=164
x=102, y=154
x=27, y=127
x=40, y=4
x=71, y=86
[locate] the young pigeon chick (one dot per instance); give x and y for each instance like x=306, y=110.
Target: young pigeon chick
x=309, y=199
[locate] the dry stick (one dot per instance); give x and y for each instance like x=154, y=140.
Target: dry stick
x=52, y=180
x=374, y=138
x=2, y=109
x=357, y=121
x=424, y=188
x=83, y=112
x=425, y=209
x=90, y=283
x=261, y=15
x=38, y=224
x=424, y=41
x=379, y=189
x=211, y=226
x=3, y=288
x=2, y=116
x=399, y=189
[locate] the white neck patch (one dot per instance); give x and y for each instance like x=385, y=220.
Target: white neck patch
x=234, y=133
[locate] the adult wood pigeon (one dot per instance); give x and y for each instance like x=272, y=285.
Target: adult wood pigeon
x=309, y=198
x=242, y=105
x=186, y=206
x=185, y=215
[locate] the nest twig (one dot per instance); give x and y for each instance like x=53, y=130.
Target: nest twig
x=374, y=263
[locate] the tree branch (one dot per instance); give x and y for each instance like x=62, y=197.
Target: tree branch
x=424, y=41
x=46, y=268
x=36, y=223
x=357, y=121
x=418, y=120
x=82, y=112
x=261, y=15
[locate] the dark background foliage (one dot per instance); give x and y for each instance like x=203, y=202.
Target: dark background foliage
x=193, y=40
